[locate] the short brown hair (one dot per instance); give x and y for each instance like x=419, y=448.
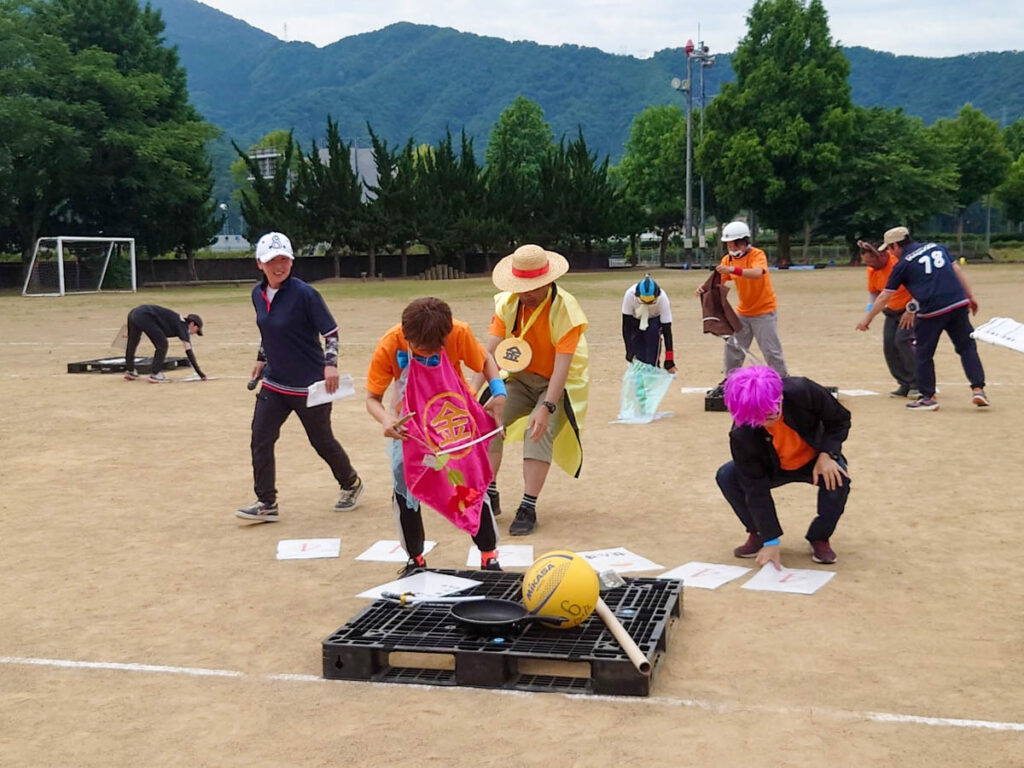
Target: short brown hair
x=426, y=323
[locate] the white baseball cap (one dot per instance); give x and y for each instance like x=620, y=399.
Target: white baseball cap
x=273, y=244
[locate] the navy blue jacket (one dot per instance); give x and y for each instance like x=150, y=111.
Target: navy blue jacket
x=290, y=328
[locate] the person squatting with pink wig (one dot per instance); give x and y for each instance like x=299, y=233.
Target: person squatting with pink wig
x=784, y=431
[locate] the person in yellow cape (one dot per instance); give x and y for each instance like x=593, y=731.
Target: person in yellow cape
x=536, y=337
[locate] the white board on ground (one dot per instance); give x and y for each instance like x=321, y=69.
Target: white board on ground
x=422, y=584
x=797, y=581
x=307, y=549
x=696, y=390
x=619, y=559
x=510, y=555
x=318, y=394
x=857, y=392
x=390, y=551
x=705, y=575
x=1003, y=332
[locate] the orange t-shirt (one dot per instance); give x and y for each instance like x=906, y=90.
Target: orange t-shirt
x=461, y=347
x=539, y=338
x=757, y=296
x=877, y=279
x=793, y=451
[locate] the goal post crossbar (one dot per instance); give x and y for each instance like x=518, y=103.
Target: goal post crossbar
x=59, y=241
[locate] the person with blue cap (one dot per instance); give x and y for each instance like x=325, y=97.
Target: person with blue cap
x=646, y=320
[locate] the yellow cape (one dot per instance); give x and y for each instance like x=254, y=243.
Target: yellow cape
x=564, y=315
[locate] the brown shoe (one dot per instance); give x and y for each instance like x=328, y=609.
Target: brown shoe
x=822, y=553
x=750, y=548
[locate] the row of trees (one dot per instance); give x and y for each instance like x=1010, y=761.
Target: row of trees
x=436, y=195
x=96, y=131
x=97, y=135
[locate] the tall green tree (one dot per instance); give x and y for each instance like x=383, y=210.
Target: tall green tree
x=1010, y=193
x=449, y=194
x=1013, y=138
x=149, y=155
x=893, y=171
x=515, y=151
x=982, y=160
x=593, y=203
x=274, y=203
x=653, y=169
x=773, y=136
x=330, y=194
x=388, y=215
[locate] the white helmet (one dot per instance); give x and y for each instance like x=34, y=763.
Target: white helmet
x=735, y=230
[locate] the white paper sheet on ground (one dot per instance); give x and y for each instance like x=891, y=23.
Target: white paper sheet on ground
x=422, y=584
x=857, y=392
x=619, y=559
x=307, y=549
x=390, y=551
x=1003, y=332
x=195, y=378
x=696, y=390
x=655, y=417
x=705, y=575
x=510, y=555
x=318, y=391
x=796, y=581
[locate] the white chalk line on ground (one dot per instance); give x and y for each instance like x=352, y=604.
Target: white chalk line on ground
x=658, y=701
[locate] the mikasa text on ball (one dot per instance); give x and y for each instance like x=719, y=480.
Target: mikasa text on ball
x=561, y=583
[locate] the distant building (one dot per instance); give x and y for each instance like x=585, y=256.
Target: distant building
x=361, y=159
x=230, y=243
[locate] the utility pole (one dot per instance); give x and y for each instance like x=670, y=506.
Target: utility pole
x=704, y=60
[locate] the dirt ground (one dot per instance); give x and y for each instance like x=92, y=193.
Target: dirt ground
x=119, y=547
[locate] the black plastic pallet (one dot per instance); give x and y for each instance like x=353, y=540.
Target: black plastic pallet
x=117, y=365
x=714, y=402
x=364, y=648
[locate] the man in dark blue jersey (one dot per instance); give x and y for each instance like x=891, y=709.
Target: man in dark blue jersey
x=292, y=316
x=943, y=299
x=159, y=324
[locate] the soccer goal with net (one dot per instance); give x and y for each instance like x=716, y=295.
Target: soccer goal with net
x=62, y=265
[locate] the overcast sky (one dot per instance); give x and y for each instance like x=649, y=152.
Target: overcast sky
x=933, y=28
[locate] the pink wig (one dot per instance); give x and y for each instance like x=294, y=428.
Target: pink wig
x=753, y=394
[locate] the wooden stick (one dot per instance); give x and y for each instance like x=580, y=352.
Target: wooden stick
x=643, y=666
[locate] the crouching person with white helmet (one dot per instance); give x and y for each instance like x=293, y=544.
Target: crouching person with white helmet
x=748, y=268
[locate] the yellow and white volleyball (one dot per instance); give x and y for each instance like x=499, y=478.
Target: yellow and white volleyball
x=561, y=584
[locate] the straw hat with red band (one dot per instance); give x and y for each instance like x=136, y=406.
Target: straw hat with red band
x=528, y=267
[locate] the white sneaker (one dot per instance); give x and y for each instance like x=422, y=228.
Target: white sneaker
x=131, y=375
x=158, y=378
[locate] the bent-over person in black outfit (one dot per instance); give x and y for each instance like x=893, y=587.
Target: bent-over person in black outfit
x=159, y=324
x=784, y=431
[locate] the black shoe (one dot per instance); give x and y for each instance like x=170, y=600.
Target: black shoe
x=414, y=565
x=900, y=391
x=495, y=500
x=491, y=564
x=525, y=522
x=258, y=512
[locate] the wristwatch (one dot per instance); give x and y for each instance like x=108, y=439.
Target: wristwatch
x=912, y=306
x=549, y=405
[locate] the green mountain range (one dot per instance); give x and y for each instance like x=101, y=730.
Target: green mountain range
x=415, y=80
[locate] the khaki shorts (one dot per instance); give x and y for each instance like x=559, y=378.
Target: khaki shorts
x=526, y=392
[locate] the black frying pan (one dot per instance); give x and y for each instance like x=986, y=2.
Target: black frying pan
x=492, y=616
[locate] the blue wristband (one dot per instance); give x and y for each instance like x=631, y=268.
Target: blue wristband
x=771, y=542
x=497, y=387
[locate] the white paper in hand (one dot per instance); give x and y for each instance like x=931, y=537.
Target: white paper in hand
x=796, y=581
x=318, y=394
